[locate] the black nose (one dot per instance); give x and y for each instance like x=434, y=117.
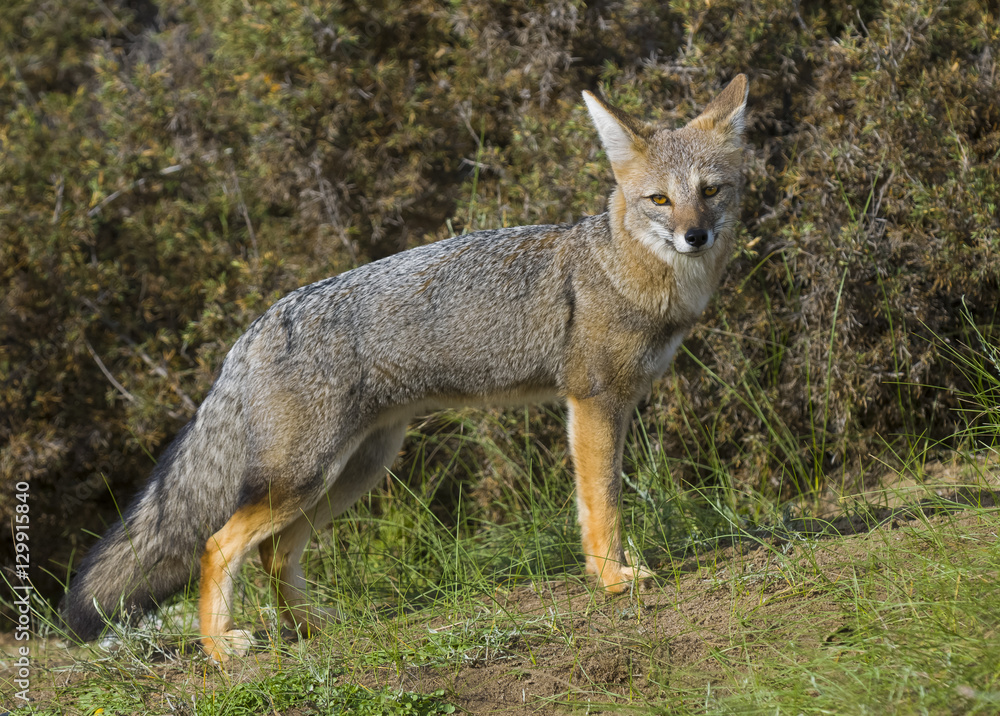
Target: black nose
x=696, y=237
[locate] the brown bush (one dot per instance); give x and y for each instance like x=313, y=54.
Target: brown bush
x=170, y=170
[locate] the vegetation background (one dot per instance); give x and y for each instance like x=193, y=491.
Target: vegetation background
x=168, y=169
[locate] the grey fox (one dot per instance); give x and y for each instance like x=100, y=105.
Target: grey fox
x=312, y=402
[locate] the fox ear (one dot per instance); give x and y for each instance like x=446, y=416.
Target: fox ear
x=726, y=113
x=621, y=134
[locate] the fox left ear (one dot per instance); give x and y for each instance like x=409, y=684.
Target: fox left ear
x=726, y=113
x=621, y=134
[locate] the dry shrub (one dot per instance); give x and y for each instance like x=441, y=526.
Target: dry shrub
x=171, y=169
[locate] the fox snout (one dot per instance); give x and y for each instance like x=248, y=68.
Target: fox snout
x=694, y=220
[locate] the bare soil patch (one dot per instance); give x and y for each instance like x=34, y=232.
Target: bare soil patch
x=728, y=607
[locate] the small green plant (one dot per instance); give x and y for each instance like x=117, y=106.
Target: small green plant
x=320, y=696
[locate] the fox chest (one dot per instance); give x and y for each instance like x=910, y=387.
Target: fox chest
x=660, y=357
x=621, y=362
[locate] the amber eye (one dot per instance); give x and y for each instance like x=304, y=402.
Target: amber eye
x=710, y=190
x=659, y=199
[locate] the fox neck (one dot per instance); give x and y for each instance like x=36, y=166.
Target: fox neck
x=676, y=289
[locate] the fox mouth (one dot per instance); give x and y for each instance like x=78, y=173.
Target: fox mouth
x=685, y=249
x=693, y=253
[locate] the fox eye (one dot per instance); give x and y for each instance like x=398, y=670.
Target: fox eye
x=710, y=190
x=659, y=199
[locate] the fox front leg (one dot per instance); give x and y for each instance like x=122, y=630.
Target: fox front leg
x=596, y=438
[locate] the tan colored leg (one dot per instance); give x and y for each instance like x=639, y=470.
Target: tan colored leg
x=224, y=554
x=596, y=438
x=280, y=556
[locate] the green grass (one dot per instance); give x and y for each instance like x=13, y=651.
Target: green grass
x=450, y=598
x=898, y=619
x=110, y=694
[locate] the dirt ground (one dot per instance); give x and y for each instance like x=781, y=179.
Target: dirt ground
x=729, y=607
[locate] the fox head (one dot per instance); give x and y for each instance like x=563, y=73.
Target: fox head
x=678, y=190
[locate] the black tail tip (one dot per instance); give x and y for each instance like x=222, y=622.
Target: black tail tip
x=80, y=617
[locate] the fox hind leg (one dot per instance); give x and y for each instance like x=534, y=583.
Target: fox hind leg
x=224, y=554
x=281, y=554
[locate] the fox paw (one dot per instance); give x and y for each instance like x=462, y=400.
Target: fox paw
x=235, y=642
x=622, y=578
x=616, y=576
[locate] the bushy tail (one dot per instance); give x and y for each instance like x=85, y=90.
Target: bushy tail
x=154, y=551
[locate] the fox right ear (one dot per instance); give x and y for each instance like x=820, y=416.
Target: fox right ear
x=620, y=133
x=726, y=113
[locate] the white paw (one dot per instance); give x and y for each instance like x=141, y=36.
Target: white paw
x=619, y=578
x=235, y=642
